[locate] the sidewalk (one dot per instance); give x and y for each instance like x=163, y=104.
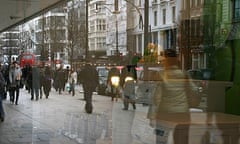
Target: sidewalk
x=61, y=119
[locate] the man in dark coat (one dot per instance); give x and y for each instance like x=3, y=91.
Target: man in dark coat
x=59, y=79
x=47, y=81
x=35, y=82
x=89, y=79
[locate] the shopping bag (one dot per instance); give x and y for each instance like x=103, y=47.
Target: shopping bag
x=68, y=87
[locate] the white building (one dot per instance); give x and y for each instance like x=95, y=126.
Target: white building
x=46, y=39
x=163, y=20
x=107, y=29
x=96, y=27
x=116, y=36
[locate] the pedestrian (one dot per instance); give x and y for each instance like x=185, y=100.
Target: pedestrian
x=127, y=82
x=2, y=89
x=114, y=82
x=72, y=80
x=89, y=79
x=18, y=72
x=170, y=96
x=5, y=73
x=41, y=70
x=27, y=77
x=59, y=79
x=47, y=82
x=66, y=76
x=15, y=74
x=35, y=82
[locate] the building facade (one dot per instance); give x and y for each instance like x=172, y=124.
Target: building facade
x=116, y=36
x=51, y=33
x=191, y=34
x=61, y=32
x=163, y=24
x=10, y=45
x=97, y=28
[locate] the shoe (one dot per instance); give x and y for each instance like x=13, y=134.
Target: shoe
x=124, y=109
x=134, y=106
x=89, y=111
x=2, y=119
x=16, y=103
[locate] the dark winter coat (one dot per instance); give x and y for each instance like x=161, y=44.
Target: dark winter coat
x=89, y=78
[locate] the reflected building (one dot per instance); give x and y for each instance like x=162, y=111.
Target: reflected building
x=116, y=35
x=10, y=45
x=60, y=32
x=97, y=28
x=163, y=22
x=190, y=34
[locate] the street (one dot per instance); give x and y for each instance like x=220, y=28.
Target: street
x=61, y=119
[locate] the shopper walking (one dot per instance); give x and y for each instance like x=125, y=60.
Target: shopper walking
x=66, y=72
x=35, y=82
x=89, y=79
x=18, y=72
x=72, y=80
x=41, y=70
x=127, y=82
x=5, y=71
x=15, y=74
x=47, y=81
x=2, y=89
x=59, y=79
x=27, y=77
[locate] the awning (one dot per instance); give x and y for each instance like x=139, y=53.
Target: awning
x=15, y=12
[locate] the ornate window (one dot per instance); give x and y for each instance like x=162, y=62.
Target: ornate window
x=236, y=14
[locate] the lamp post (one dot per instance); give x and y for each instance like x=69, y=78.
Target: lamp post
x=115, y=12
x=86, y=40
x=146, y=21
x=117, y=50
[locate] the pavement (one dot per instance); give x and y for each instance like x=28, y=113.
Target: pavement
x=61, y=119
